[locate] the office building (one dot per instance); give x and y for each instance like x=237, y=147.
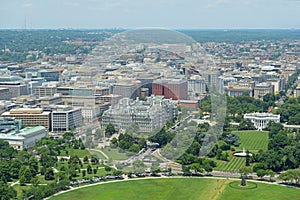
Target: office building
x=30, y=116
x=66, y=118
x=44, y=91
x=261, y=89
x=24, y=138
x=196, y=86
x=5, y=94
x=171, y=88
x=149, y=115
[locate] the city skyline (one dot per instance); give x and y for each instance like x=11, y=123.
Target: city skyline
x=204, y=14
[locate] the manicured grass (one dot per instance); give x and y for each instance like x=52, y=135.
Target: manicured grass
x=253, y=140
x=263, y=191
x=114, y=154
x=233, y=165
x=98, y=154
x=73, y=152
x=180, y=188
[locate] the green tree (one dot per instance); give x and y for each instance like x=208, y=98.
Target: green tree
x=261, y=173
x=271, y=174
x=7, y=192
x=197, y=168
x=155, y=168
x=246, y=124
x=15, y=168
x=86, y=159
x=49, y=174
x=107, y=168
x=33, y=165
x=95, y=170
x=89, y=169
x=138, y=166
x=110, y=130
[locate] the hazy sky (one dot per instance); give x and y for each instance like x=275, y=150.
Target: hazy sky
x=150, y=13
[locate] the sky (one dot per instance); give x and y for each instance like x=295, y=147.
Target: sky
x=179, y=14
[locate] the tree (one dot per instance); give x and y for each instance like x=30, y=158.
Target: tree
x=271, y=174
x=35, y=181
x=95, y=170
x=49, y=174
x=110, y=130
x=94, y=160
x=83, y=173
x=107, y=168
x=244, y=171
x=207, y=167
x=246, y=124
x=261, y=173
x=15, y=168
x=7, y=192
x=86, y=159
x=33, y=165
x=89, y=169
x=138, y=166
x=196, y=167
x=155, y=168
x=22, y=180
x=247, y=158
x=258, y=166
x=186, y=170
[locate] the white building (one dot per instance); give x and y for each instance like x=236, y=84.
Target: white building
x=91, y=113
x=261, y=120
x=25, y=138
x=149, y=115
x=196, y=85
x=64, y=118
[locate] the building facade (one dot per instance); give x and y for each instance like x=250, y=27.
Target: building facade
x=65, y=118
x=171, y=88
x=25, y=138
x=261, y=89
x=261, y=120
x=148, y=115
x=30, y=116
x=43, y=91
x=5, y=94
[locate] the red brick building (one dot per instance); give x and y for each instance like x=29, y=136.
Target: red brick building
x=171, y=88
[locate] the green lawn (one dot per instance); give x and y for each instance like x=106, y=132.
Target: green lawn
x=98, y=154
x=253, y=140
x=263, y=191
x=233, y=165
x=72, y=152
x=180, y=188
x=114, y=154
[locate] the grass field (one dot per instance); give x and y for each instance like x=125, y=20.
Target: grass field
x=98, y=154
x=181, y=188
x=253, y=140
x=73, y=152
x=114, y=154
x=233, y=165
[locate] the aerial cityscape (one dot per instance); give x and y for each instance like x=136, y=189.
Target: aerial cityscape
x=183, y=109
